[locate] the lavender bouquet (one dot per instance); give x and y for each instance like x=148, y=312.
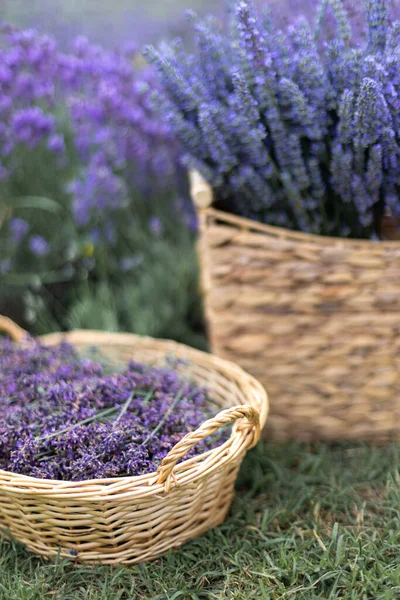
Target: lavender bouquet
x=69, y=417
x=296, y=127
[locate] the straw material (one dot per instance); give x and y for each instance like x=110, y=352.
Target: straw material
x=315, y=319
x=132, y=519
x=14, y=331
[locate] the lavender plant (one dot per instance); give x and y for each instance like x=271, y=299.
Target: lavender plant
x=85, y=169
x=86, y=113
x=72, y=417
x=296, y=127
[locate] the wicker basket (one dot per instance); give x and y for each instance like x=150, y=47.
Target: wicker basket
x=315, y=319
x=132, y=519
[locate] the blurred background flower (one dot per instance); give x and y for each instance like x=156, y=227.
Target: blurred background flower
x=90, y=187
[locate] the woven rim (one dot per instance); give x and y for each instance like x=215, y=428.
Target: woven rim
x=203, y=198
x=248, y=421
x=14, y=331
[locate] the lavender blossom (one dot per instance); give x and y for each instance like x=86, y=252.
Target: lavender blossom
x=377, y=19
x=56, y=144
x=31, y=125
x=155, y=226
x=19, y=228
x=371, y=107
x=99, y=191
x=39, y=246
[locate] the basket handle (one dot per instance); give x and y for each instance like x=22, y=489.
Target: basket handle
x=252, y=424
x=200, y=191
x=14, y=331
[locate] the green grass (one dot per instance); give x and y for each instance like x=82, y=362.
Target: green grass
x=307, y=523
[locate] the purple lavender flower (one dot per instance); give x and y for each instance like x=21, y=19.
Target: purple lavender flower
x=155, y=226
x=24, y=86
x=100, y=191
x=38, y=245
x=31, y=125
x=56, y=143
x=371, y=107
x=377, y=18
x=19, y=228
x=5, y=105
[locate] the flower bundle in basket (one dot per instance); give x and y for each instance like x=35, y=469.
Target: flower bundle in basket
x=297, y=133
x=94, y=460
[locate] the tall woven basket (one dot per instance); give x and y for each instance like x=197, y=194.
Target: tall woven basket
x=315, y=319
x=133, y=519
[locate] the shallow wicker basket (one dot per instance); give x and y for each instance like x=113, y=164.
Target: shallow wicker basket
x=315, y=319
x=132, y=519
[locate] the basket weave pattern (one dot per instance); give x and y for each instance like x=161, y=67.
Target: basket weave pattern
x=315, y=319
x=132, y=519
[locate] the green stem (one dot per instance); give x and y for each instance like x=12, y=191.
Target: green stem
x=166, y=415
x=102, y=413
x=127, y=403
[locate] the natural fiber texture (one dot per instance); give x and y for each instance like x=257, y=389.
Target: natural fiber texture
x=14, y=331
x=315, y=319
x=132, y=519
